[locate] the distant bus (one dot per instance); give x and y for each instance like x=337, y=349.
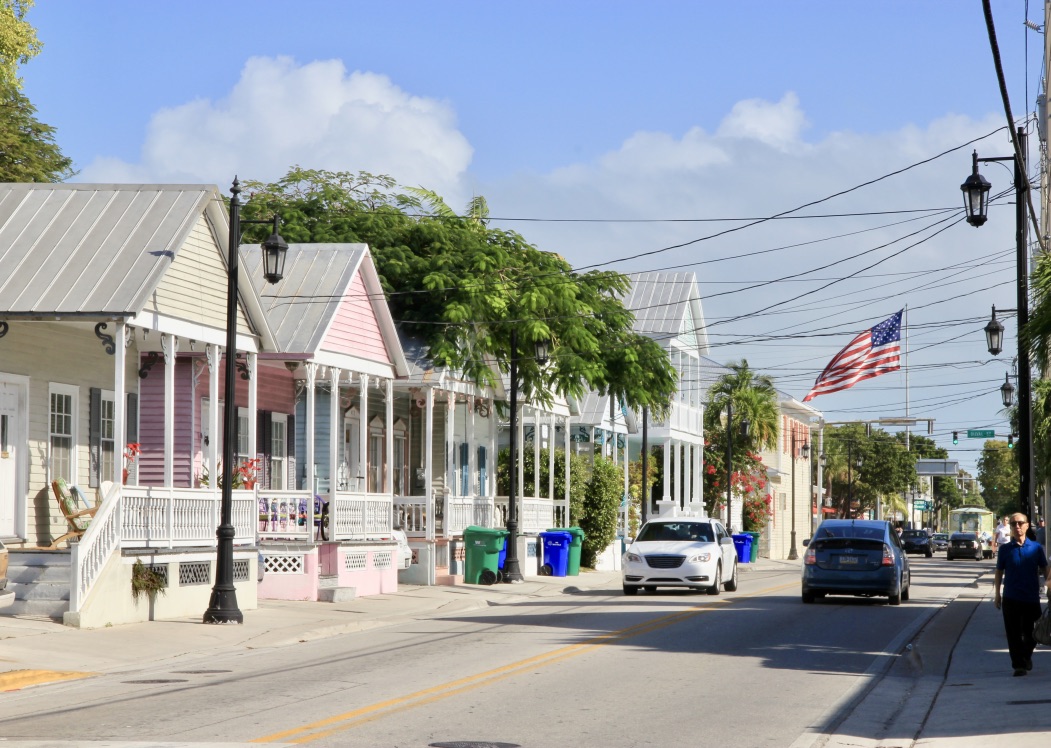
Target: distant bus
x=974, y=519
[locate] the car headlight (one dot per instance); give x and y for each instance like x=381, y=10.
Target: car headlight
x=633, y=557
x=699, y=558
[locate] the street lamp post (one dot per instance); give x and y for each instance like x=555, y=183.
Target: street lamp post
x=804, y=452
x=512, y=567
x=222, y=607
x=976, y=201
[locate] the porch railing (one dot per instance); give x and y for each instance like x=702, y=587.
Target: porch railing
x=535, y=515
x=291, y=515
x=463, y=511
x=159, y=517
x=88, y=557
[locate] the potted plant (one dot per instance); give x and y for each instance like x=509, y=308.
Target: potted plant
x=131, y=454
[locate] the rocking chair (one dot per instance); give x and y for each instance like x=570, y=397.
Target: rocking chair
x=76, y=518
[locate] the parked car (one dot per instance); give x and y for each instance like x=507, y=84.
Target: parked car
x=855, y=557
x=964, y=545
x=940, y=541
x=681, y=552
x=917, y=541
x=404, y=551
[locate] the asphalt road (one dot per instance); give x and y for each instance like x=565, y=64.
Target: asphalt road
x=750, y=668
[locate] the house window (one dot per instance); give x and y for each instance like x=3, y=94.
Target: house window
x=106, y=432
x=242, y=435
x=62, y=430
x=278, y=449
x=400, y=467
x=376, y=434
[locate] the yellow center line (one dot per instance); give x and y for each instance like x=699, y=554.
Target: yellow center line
x=341, y=722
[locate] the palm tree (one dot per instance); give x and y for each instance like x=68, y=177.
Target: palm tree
x=753, y=397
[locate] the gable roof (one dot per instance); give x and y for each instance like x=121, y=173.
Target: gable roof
x=93, y=250
x=662, y=302
x=301, y=307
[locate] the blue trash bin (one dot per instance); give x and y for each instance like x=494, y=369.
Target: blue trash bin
x=556, y=552
x=502, y=556
x=743, y=546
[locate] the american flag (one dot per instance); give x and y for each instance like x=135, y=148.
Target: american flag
x=870, y=354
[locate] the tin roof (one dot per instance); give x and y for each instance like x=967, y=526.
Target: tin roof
x=92, y=250
x=662, y=302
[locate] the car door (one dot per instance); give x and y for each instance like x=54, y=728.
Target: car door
x=727, y=552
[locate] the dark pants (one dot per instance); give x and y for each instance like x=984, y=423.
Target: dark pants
x=1019, y=618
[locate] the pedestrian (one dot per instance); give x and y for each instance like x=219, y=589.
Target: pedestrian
x=1019, y=564
x=1003, y=534
x=1041, y=535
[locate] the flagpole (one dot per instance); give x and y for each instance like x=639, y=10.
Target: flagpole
x=907, y=376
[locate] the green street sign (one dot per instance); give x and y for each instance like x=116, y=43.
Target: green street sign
x=980, y=433
x=921, y=505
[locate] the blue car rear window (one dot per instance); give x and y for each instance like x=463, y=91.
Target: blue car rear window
x=850, y=531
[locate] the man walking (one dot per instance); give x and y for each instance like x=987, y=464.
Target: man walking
x=1019, y=564
x=1003, y=534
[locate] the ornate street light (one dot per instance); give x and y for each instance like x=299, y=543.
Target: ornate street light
x=222, y=607
x=512, y=568
x=976, y=201
x=1007, y=391
x=994, y=335
x=804, y=452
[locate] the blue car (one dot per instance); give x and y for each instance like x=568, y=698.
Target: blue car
x=855, y=557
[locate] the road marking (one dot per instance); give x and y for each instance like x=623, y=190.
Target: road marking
x=14, y=680
x=341, y=722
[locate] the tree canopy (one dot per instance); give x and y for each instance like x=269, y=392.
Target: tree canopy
x=998, y=474
x=18, y=40
x=463, y=287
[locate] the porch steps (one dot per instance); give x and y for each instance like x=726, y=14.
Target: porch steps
x=40, y=581
x=329, y=591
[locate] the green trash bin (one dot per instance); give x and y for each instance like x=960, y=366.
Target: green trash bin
x=754, y=554
x=482, y=546
x=573, y=568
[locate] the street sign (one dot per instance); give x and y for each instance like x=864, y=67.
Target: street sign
x=921, y=505
x=980, y=433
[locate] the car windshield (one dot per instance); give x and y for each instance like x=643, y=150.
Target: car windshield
x=913, y=534
x=940, y=536
x=700, y=532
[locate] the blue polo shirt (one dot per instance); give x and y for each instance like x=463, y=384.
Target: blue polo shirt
x=1020, y=565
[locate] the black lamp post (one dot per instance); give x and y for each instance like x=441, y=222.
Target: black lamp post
x=745, y=427
x=223, y=605
x=976, y=201
x=804, y=452
x=512, y=568
x=1007, y=391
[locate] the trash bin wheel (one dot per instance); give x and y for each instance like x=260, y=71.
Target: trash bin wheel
x=545, y=570
x=488, y=576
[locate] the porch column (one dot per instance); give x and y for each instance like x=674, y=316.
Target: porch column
x=120, y=363
x=667, y=470
x=213, y=415
x=335, y=431
x=491, y=457
x=310, y=369
x=679, y=492
x=388, y=463
x=551, y=458
x=536, y=453
x=363, y=434
x=569, y=441
x=472, y=451
x=253, y=404
x=520, y=441
x=428, y=466
x=451, y=487
x=170, y=348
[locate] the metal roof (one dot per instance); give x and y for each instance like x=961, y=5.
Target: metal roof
x=92, y=250
x=660, y=302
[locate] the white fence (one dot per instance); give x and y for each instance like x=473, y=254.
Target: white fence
x=153, y=517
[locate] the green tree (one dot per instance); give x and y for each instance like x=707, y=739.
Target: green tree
x=947, y=494
x=579, y=470
x=998, y=475
x=28, y=152
x=464, y=287
x=886, y=468
x=602, y=496
x=18, y=40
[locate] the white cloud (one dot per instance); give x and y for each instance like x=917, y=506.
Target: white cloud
x=777, y=125
x=281, y=113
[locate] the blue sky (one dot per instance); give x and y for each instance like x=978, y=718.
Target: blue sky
x=665, y=113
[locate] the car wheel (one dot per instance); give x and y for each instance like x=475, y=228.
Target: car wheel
x=808, y=597
x=906, y=588
x=895, y=597
x=630, y=589
x=731, y=586
x=717, y=584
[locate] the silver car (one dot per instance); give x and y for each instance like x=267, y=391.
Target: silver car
x=681, y=552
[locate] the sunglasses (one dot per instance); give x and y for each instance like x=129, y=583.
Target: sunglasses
x=1019, y=524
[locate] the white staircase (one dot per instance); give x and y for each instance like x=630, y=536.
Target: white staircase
x=40, y=581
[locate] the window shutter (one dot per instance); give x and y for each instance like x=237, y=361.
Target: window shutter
x=263, y=447
x=483, y=486
x=290, y=446
x=94, y=436
x=465, y=474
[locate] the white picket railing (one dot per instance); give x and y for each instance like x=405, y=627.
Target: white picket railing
x=160, y=517
x=89, y=556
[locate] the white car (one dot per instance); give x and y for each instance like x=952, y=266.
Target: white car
x=404, y=551
x=681, y=552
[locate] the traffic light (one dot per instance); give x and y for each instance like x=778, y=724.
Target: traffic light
x=955, y=437
x=1010, y=441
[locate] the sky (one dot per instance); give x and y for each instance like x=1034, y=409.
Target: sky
x=626, y=136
